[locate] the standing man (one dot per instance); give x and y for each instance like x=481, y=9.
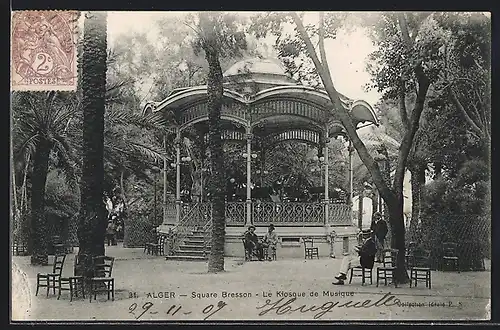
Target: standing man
x=379, y=227
x=110, y=233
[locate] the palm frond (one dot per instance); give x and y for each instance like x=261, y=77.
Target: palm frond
x=66, y=159
x=27, y=146
x=139, y=149
x=153, y=121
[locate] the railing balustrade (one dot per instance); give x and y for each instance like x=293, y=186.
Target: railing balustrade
x=339, y=214
x=290, y=213
x=197, y=215
x=193, y=216
x=236, y=213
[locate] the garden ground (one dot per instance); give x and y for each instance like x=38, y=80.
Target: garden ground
x=145, y=283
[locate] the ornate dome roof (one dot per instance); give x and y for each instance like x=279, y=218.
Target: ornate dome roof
x=259, y=70
x=256, y=65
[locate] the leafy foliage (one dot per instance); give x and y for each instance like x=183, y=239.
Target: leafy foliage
x=39, y=115
x=458, y=210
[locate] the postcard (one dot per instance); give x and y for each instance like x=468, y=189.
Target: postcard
x=250, y=166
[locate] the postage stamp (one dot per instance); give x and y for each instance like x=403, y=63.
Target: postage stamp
x=43, y=50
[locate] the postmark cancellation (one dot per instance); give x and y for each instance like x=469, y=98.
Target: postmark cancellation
x=44, y=50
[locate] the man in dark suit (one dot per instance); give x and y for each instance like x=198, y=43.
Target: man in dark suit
x=365, y=257
x=379, y=226
x=252, y=243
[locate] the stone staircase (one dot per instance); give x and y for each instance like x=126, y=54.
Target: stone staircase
x=191, y=248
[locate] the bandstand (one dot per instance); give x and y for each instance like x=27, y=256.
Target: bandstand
x=263, y=107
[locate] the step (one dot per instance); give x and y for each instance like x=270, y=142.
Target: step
x=186, y=258
x=190, y=253
x=194, y=241
x=195, y=236
x=192, y=247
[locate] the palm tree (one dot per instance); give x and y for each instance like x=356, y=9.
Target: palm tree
x=56, y=118
x=92, y=221
x=217, y=37
x=39, y=122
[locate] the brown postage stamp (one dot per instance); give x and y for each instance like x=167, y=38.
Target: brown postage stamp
x=43, y=50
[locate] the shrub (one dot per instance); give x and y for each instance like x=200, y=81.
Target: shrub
x=457, y=210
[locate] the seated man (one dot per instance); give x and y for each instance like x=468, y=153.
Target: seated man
x=252, y=243
x=365, y=258
x=270, y=241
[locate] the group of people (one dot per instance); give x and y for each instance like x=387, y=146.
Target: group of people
x=254, y=245
x=368, y=251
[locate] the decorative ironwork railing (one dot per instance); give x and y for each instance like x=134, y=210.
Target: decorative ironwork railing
x=339, y=214
x=292, y=213
x=296, y=134
x=193, y=216
x=292, y=107
x=198, y=216
x=236, y=213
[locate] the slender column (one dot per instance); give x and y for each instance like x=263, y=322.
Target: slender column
x=201, y=183
x=165, y=179
x=178, y=177
x=350, y=174
x=262, y=166
x=327, y=196
x=249, y=177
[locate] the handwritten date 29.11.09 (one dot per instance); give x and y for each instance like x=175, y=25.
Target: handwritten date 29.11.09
x=208, y=311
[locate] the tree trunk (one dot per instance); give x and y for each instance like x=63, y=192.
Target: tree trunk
x=215, y=93
x=92, y=222
x=25, y=217
x=39, y=235
x=124, y=212
x=24, y=197
x=417, y=182
x=374, y=198
x=397, y=231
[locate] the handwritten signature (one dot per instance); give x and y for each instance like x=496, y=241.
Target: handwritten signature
x=281, y=307
x=174, y=309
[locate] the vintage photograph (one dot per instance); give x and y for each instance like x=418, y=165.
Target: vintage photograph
x=264, y=166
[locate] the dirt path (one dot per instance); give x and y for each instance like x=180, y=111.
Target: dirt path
x=151, y=288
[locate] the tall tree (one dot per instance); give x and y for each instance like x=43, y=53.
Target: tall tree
x=404, y=67
x=218, y=36
x=467, y=68
x=92, y=221
x=39, y=122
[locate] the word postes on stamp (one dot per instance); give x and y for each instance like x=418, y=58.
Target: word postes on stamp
x=43, y=50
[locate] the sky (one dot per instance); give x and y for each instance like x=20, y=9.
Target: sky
x=346, y=55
